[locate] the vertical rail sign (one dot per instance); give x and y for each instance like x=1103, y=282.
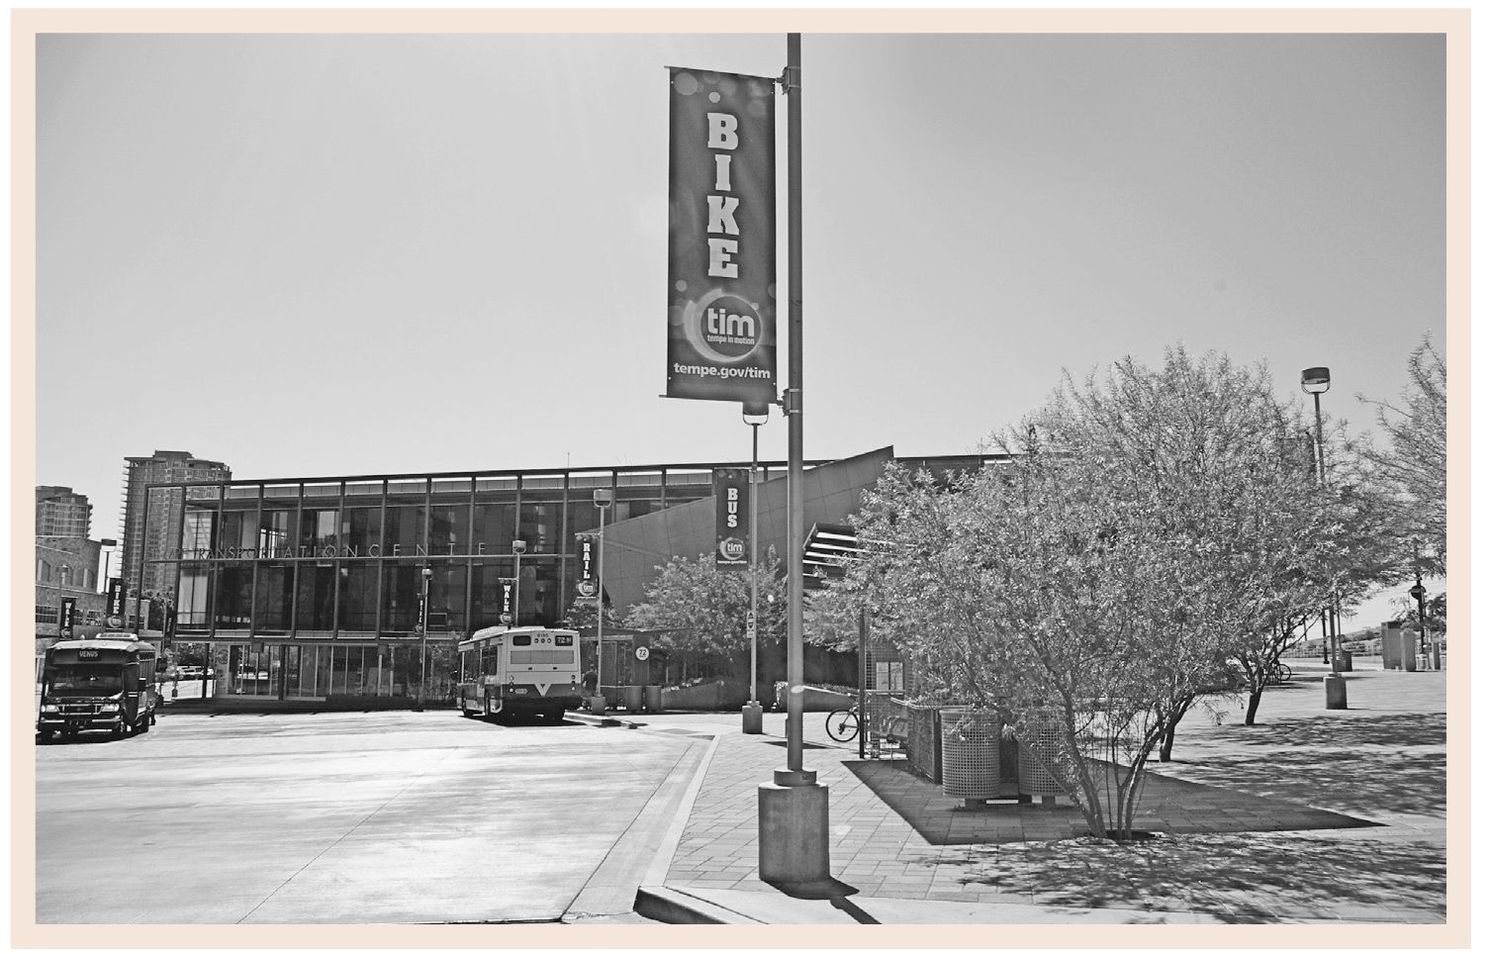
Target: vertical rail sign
x=731, y=516
x=585, y=561
x=722, y=343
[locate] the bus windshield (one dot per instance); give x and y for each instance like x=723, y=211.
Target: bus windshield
x=92, y=678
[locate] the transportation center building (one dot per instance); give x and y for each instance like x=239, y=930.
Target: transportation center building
x=310, y=588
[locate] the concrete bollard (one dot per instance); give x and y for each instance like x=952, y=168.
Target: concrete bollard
x=751, y=718
x=793, y=829
x=1337, y=690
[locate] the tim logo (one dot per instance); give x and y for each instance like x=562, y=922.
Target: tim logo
x=724, y=328
x=733, y=549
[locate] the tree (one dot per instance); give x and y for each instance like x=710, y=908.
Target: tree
x=1153, y=531
x=704, y=611
x=1413, y=468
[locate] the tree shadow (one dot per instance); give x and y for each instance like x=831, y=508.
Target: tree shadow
x=1358, y=766
x=1237, y=877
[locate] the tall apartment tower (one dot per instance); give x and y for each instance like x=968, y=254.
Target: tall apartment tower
x=156, y=528
x=60, y=512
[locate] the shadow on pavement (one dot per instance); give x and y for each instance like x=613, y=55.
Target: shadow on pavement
x=1236, y=877
x=1361, y=766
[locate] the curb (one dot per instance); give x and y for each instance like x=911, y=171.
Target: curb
x=675, y=907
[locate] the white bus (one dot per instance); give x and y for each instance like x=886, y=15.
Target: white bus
x=527, y=670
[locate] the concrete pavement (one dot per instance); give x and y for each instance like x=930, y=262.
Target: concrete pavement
x=1311, y=816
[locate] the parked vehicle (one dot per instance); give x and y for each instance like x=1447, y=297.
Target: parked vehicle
x=105, y=682
x=527, y=671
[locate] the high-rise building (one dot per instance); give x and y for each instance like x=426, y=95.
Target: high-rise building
x=149, y=525
x=60, y=512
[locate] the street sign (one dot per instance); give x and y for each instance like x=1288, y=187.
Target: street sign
x=586, y=589
x=642, y=653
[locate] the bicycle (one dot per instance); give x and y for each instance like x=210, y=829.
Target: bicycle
x=1278, y=674
x=843, y=725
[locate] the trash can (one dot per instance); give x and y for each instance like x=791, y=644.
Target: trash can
x=971, y=753
x=653, y=698
x=1344, y=660
x=632, y=698
x=1039, y=747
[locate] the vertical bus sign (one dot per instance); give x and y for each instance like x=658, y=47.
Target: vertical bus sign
x=731, y=516
x=722, y=237
x=66, y=611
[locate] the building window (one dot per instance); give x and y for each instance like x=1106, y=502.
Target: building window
x=359, y=600
x=362, y=528
x=318, y=532
x=448, y=530
x=234, y=596
x=404, y=528
x=539, y=526
x=493, y=529
x=401, y=597
x=272, y=596
x=315, y=595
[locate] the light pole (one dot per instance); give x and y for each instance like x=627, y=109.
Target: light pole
x=1418, y=593
x=754, y=415
x=519, y=546
x=425, y=574
x=1316, y=381
x=62, y=570
x=603, y=499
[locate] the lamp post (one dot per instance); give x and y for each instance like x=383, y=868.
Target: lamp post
x=519, y=546
x=603, y=499
x=108, y=546
x=425, y=574
x=753, y=415
x=62, y=570
x=1418, y=593
x=1316, y=381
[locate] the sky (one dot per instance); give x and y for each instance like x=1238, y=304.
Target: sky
x=338, y=255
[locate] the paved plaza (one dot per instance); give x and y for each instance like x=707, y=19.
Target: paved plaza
x=1308, y=816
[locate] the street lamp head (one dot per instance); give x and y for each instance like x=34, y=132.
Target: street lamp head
x=427, y=572
x=602, y=498
x=519, y=546
x=108, y=543
x=1316, y=380
x=754, y=412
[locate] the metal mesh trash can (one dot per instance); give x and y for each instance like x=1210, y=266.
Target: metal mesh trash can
x=971, y=753
x=632, y=698
x=653, y=698
x=1039, y=746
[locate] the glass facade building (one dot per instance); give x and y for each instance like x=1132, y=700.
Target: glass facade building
x=312, y=588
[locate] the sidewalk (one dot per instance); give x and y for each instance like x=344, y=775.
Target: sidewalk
x=1310, y=816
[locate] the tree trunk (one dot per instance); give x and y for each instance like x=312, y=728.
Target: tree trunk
x=1167, y=738
x=1254, y=705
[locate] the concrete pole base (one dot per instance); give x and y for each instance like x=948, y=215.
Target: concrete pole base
x=751, y=718
x=793, y=830
x=1337, y=690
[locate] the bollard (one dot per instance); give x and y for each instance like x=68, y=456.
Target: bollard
x=1337, y=690
x=751, y=718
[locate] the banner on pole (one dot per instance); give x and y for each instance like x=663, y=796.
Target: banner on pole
x=731, y=516
x=508, y=600
x=722, y=343
x=66, y=614
x=585, y=560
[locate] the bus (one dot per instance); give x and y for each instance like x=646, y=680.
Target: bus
x=526, y=670
x=99, y=682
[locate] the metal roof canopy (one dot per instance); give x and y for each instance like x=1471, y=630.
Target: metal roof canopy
x=826, y=551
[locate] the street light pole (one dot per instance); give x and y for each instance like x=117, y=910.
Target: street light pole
x=793, y=809
x=755, y=415
x=62, y=569
x=425, y=574
x=1315, y=381
x=603, y=500
x=519, y=546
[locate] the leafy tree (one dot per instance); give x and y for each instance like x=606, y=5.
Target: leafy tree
x=703, y=611
x=1414, y=466
x=1154, y=532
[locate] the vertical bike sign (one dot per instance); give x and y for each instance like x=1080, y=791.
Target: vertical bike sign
x=722, y=237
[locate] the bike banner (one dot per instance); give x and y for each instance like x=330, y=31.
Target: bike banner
x=722, y=237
